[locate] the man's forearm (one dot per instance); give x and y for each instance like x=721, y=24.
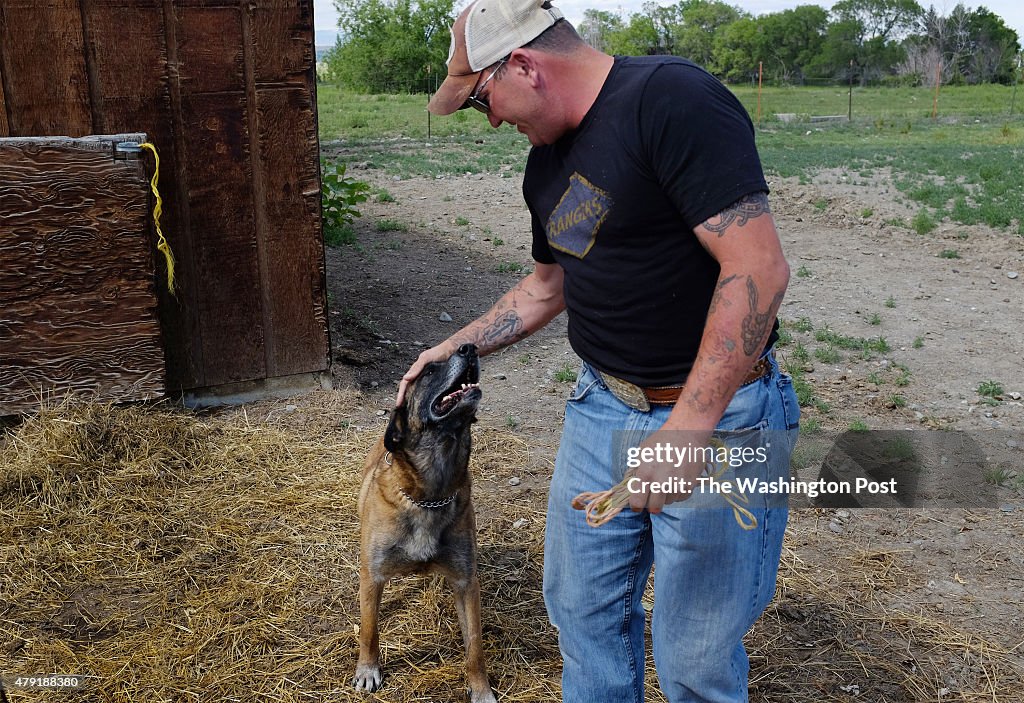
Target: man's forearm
x=739, y=322
x=517, y=314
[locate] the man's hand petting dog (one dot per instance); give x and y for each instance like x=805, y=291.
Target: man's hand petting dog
x=415, y=511
x=435, y=354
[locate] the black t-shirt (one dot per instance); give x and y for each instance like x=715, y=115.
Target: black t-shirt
x=664, y=147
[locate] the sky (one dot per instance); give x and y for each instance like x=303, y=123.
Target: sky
x=1012, y=11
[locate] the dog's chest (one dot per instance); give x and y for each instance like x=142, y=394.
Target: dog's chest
x=421, y=543
x=420, y=539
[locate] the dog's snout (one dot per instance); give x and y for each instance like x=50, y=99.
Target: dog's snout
x=467, y=350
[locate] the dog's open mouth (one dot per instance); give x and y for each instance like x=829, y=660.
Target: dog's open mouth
x=466, y=384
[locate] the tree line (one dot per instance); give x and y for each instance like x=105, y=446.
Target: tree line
x=402, y=45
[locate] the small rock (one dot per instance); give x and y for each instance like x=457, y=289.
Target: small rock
x=836, y=527
x=514, y=481
x=444, y=317
x=1012, y=275
x=1007, y=508
x=499, y=377
x=520, y=523
x=1014, y=395
x=1012, y=443
x=382, y=413
x=843, y=514
x=291, y=408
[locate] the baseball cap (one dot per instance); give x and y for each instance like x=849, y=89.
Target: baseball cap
x=486, y=32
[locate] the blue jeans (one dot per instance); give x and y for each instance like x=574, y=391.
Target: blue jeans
x=713, y=578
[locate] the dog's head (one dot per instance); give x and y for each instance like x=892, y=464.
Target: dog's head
x=442, y=400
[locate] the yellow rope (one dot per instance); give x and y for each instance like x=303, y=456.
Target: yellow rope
x=161, y=242
x=602, y=507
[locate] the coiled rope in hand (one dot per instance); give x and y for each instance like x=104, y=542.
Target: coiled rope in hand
x=603, y=506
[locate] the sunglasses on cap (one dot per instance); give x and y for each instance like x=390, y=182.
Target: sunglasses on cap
x=479, y=102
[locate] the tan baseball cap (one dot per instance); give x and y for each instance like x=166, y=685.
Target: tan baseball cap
x=486, y=32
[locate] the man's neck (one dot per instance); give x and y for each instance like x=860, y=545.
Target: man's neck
x=591, y=72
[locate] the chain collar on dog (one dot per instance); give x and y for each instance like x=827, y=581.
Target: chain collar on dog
x=428, y=504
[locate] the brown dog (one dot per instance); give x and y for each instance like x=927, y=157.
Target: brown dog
x=415, y=511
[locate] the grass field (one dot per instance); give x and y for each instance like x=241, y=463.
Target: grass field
x=967, y=164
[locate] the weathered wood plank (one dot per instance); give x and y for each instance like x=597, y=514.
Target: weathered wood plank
x=77, y=305
x=222, y=226
x=5, y=128
x=295, y=283
x=210, y=49
x=44, y=62
x=283, y=42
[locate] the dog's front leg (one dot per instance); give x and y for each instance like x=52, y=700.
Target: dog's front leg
x=368, y=676
x=467, y=604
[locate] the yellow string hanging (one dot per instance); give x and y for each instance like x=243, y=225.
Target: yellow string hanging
x=161, y=242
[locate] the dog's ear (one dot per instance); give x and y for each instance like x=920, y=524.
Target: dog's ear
x=394, y=435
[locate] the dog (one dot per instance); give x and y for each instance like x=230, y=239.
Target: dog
x=415, y=512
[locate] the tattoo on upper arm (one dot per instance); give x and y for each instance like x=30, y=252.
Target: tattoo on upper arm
x=757, y=323
x=739, y=213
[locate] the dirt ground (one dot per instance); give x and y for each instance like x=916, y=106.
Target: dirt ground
x=450, y=246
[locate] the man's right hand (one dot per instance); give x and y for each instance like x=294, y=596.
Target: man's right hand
x=439, y=353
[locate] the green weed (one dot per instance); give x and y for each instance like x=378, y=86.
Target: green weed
x=827, y=354
x=923, y=222
x=990, y=389
x=566, y=374
x=390, y=225
x=339, y=196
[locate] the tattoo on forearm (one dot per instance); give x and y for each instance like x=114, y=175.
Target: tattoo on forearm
x=757, y=323
x=739, y=213
x=507, y=328
x=719, y=297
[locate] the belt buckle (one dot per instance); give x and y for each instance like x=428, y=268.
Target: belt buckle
x=629, y=393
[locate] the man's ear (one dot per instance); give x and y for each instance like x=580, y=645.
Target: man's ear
x=394, y=435
x=524, y=62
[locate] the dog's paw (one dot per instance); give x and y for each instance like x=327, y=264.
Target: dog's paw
x=482, y=696
x=367, y=678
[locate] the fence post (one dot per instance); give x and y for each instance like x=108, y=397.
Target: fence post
x=760, y=73
x=1016, y=80
x=938, y=82
x=428, y=100
x=849, y=109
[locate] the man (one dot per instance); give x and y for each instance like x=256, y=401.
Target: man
x=651, y=228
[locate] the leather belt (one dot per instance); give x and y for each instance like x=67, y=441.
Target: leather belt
x=640, y=398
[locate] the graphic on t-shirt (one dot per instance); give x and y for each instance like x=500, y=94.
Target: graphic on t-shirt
x=573, y=224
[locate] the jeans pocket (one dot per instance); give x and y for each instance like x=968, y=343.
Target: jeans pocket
x=790, y=403
x=586, y=381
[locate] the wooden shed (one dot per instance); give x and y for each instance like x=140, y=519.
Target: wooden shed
x=226, y=91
